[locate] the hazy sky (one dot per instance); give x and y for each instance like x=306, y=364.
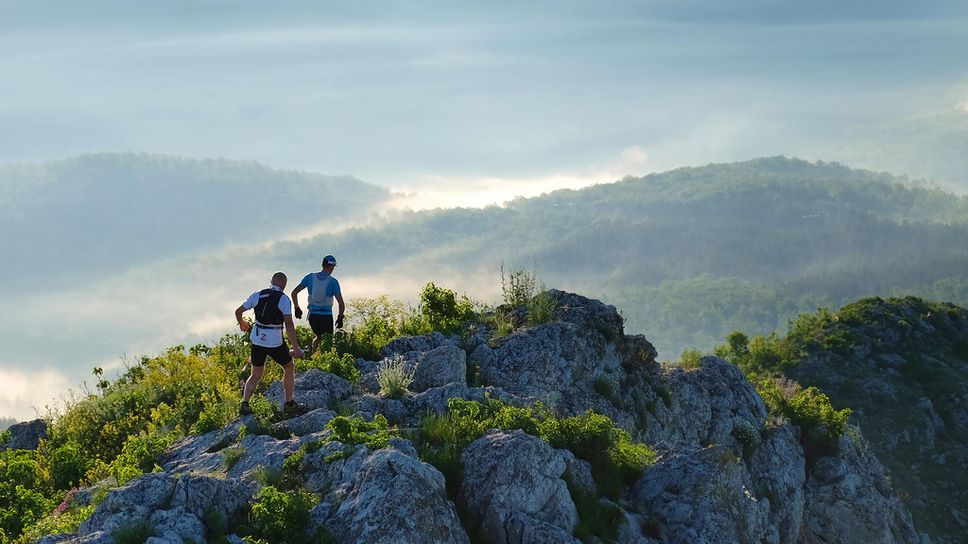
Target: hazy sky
x=470, y=103
x=481, y=94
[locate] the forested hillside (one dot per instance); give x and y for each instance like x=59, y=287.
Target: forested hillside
x=696, y=252
x=95, y=214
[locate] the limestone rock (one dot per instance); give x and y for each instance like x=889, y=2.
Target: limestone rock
x=314, y=388
x=512, y=487
x=26, y=435
x=848, y=499
x=381, y=507
x=701, y=496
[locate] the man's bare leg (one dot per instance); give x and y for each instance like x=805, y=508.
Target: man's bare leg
x=252, y=382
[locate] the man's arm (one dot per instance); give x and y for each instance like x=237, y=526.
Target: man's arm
x=295, y=301
x=293, y=339
x=244, y=325
x=342, y=308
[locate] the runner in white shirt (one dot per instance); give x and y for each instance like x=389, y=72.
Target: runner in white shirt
x=273, y=311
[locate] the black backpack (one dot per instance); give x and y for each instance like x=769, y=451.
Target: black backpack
x=267, y=312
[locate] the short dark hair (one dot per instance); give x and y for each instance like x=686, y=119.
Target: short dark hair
x=279, y=277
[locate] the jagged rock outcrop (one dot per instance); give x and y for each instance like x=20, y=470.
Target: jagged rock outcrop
x=26, y=435
x=900, y=365
x=726, y=471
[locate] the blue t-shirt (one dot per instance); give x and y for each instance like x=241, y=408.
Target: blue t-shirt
x=322, y=302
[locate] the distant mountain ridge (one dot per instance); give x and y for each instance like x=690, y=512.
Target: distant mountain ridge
x=95, y=214
x=697, y=252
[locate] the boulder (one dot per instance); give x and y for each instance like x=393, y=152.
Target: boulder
x=396, y=498
x=778, y=470
x=708, y=406
x=314, y=388
x=26, y=435
x=513, y=489
x=701, y=496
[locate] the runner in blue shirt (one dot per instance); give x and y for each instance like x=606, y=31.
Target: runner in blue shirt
x=323, y=288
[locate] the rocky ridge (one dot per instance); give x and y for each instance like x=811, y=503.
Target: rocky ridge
x=727, y=471
x=901, y=365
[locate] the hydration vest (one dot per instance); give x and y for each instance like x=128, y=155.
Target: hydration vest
x=267, y=312
x=320, y=287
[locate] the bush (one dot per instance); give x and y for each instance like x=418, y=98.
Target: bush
x=518, y=286
x=67, y=466
x=594, y=437
x=444, y=311
x=23, y=484
x=136, y=533
x=374, y=434
x=140, y=454
x=281, y=517
x=331, y=361
x=690, y=358
x=393, y=377
x=542, y=308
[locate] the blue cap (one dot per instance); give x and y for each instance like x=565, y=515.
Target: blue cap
x=329, y=259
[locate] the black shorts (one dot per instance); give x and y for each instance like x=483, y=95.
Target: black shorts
x=279, y=354
x=321, y=324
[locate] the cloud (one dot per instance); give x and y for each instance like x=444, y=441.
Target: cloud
x=23, y=393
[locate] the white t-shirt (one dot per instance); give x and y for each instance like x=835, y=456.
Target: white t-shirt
x=268, y=338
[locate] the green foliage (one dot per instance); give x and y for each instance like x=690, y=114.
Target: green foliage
x=394, y=377
x=66, y=518
x=231, y=456
x=67, y=465
x=331, y=361
x=518, y=286
x=542, y=308
x=444, y=311
x=136, y=533
x=25, y=491
x=690, y=358
x=821, y=424
x=282, y=517
x=140, y=454
x=598, y=520
x=168, y=392
x=374, y=434
x=615, y=459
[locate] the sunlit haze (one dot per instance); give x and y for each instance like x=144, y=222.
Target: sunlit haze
x=445, y=104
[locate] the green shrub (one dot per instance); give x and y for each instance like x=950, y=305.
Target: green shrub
x=139, y=455
x=542, y=308
x=24, y=491
x=282, y=517
x=690, y=358
x=66, y=518
x=136, y=533
x=231, y=456
x=594, y=437
x=67, y=466
x=604, y=387
x=394, y=378
x=518, y=286
x=444, y=311
x=374, y=434
x=331, y=361
x=615, y=459
x=820, y=423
